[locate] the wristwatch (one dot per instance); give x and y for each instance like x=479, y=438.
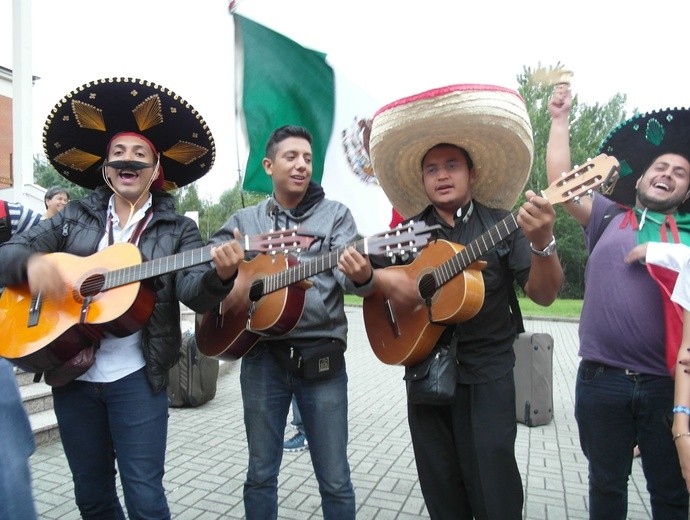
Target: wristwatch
x=547, y=251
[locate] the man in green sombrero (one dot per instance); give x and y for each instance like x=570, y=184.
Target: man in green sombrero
x=128, y=140
x=624, y=390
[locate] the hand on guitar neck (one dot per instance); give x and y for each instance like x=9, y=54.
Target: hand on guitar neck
x=355, y=266
x=536, y=217
x=228, y=256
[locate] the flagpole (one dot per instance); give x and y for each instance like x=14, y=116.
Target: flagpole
x=232, y=6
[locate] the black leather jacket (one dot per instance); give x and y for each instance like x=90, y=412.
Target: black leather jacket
x=79, y=228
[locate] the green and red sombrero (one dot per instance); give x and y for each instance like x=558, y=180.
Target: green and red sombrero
x=80, y=126
x=641, y=139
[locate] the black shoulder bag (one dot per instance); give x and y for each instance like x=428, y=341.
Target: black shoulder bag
x=433, y=381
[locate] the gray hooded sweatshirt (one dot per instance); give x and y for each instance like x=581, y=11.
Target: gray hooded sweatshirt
x=335, y=228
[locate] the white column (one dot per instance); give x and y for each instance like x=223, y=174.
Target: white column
x=22, y=154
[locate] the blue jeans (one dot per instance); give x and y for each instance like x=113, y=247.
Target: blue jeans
x=296, y=416
x=267, y=390
x=103, y=422
x=16, y=499
x=615, y=411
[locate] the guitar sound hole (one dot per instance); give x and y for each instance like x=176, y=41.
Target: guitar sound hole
x=256, y=291
x=427, y=286
x=92, y=285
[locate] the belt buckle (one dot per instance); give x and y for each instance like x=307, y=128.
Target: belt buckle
x=629, y=372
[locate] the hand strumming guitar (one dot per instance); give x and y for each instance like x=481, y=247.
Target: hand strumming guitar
x=44, y=278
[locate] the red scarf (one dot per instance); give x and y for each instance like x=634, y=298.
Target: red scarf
x=665, y=279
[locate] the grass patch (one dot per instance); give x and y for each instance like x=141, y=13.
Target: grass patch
x=558, y=309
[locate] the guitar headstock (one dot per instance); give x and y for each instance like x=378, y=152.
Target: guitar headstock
x=583, y=180
x=282, y=241
x=407, y=237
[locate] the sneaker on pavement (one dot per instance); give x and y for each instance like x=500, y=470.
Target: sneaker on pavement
x=297, y=442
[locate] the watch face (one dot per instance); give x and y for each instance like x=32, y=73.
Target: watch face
x=547, y=251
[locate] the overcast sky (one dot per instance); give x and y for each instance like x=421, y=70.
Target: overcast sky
x=388, y=49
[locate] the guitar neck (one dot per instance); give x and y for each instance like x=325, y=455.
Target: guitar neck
x=304, y=270
x=157, y=267
x=272, y=242
x=479, y=246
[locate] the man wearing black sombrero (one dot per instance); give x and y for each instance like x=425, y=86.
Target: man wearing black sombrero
x=128, y=140
x=458, y=157
x=624, y=394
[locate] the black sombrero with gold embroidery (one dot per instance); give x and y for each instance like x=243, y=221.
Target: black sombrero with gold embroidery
x=80, y=126
x=641, y=139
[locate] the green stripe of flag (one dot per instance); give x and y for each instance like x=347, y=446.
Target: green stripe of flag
x=279, y=82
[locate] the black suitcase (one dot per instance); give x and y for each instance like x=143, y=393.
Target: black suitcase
x=193, y=380
x=533, y=374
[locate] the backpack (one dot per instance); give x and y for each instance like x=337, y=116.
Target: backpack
x=5, y=223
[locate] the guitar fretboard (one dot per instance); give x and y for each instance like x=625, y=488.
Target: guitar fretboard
x=302, y=271
x=410, y=237
x=275, y=241
x=168, y=264
x=479, y=246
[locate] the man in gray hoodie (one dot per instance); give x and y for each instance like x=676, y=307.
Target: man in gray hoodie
x=277, y=367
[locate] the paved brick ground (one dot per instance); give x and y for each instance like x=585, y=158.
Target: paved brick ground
x=206, y=460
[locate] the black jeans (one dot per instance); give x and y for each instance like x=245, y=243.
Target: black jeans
x=465, y=453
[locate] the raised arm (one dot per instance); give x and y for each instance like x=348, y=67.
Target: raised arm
x=558, y=149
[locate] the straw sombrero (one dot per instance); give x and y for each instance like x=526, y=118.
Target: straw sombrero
x=490, y=122
x=641, y=139
x=80, y=126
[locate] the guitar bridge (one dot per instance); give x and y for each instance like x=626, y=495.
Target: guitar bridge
x=429, y=312
x=392, y=321
x=35, y=310
x=85, y=309
x=220, y=317
x=250, y=312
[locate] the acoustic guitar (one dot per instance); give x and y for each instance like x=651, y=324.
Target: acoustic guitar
x=449, y=280
x=268, y=295
x=104, y=295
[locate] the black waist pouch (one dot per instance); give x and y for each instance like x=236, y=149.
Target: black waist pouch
x=311, y=358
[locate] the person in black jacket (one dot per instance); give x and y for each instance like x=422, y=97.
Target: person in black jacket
x=129, y=140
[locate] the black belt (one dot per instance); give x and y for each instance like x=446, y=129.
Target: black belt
x=609, y=368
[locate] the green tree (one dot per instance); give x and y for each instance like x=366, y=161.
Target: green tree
x=212, y=215
x=187, y=199
x=46, y=176
x=589, y=125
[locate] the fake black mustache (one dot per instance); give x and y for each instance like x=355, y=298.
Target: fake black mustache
x=129, y=165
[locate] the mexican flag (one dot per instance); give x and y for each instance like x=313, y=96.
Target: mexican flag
x=278, y=82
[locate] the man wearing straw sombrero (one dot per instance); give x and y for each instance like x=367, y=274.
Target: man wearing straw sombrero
x=128, y=140
x=458, y=157
x=624, y=393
